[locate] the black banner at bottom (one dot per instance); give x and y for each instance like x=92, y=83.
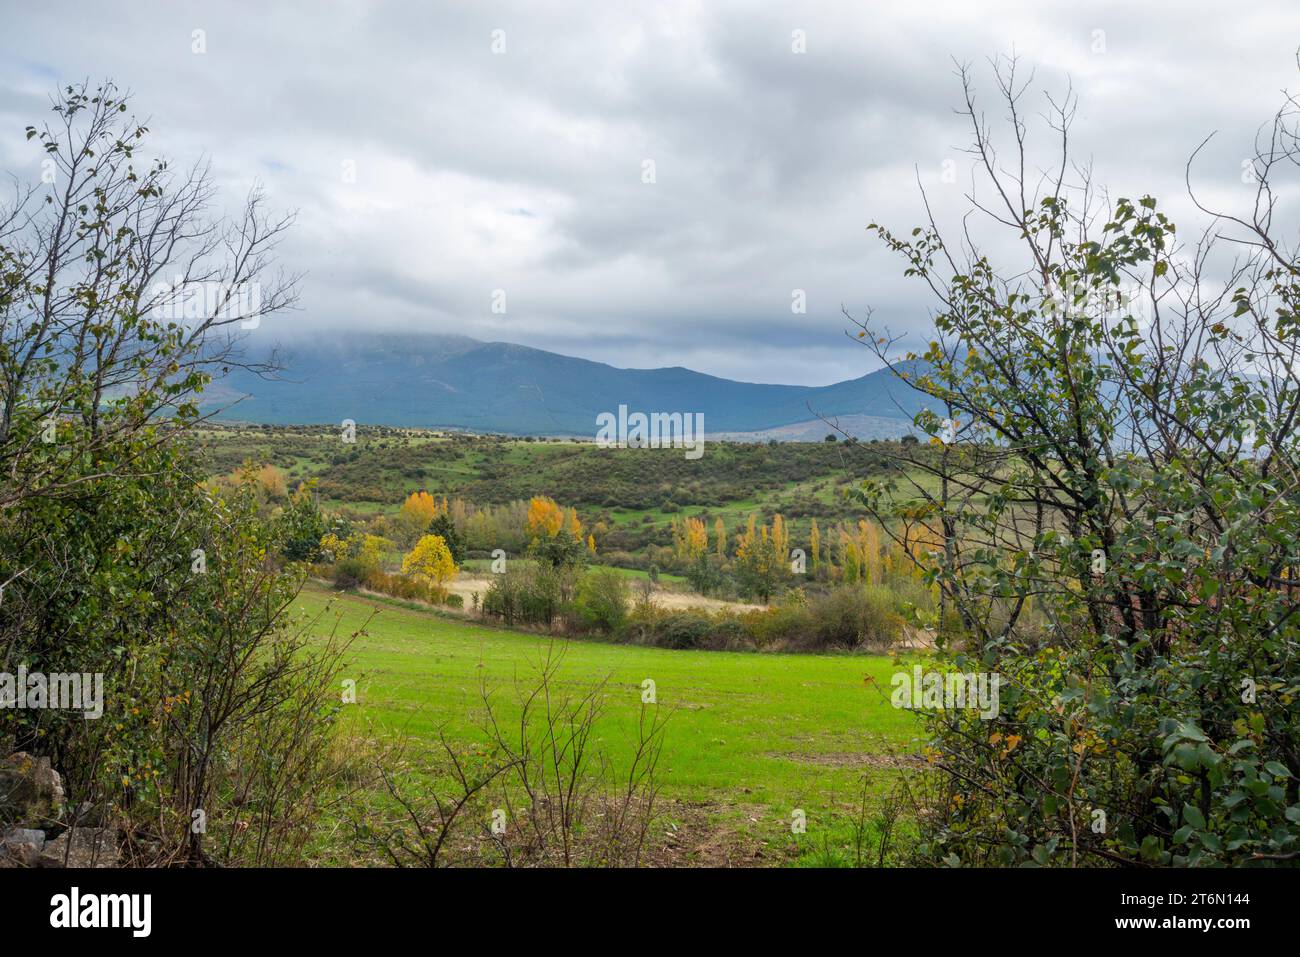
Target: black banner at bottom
x=336, y=907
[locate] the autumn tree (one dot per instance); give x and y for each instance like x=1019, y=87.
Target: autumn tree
x=430, y=562
x=762, y=554
x=421, y=507
x=556, y=536
x=545, y=517
x=418, y=510
x=690, y=539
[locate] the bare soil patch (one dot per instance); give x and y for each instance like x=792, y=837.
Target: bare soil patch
x=467, y=585
x=852, y=759
x=693, y=835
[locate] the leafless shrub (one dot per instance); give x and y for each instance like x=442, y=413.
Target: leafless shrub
x=541, y=793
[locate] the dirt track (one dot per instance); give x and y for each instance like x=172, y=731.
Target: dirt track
x=466, y=585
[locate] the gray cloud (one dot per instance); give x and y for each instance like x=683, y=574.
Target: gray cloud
x=523, y=171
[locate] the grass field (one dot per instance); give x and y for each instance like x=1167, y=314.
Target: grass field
x=750, y=737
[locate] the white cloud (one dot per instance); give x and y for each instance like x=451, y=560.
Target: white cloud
x=522, y=171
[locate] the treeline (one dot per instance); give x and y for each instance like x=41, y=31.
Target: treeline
x=755, y=561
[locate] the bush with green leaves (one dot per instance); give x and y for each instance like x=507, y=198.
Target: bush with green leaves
x=847, y=617
x=563, y=550
x=1114, y=485
x=115, y=561
x=529, y=593
x=601, y=600
x=302, y=525
x=705, y=575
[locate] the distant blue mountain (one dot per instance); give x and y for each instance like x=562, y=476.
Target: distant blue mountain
x=456, y=382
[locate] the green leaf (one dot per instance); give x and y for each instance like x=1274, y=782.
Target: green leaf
x=1150, y=848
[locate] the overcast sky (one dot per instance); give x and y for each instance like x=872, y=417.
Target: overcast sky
x=522, y=169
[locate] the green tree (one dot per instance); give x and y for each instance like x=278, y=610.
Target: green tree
x=302, y=525
x=445, y=528
x=601, y=599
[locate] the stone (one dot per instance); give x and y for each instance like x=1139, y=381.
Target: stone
x=82, y=847
x=31, y=792
x=22, y=845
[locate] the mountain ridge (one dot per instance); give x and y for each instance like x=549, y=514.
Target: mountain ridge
x=437, y=381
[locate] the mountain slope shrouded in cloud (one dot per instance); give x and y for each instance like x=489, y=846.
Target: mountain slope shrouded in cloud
x=457, y=382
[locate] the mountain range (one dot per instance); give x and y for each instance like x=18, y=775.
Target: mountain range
x=435, y=381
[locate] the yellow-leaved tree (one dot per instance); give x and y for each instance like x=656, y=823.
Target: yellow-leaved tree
x=690, y=539
x=367, y=549
x=545, y=517
x=761, y=555
x=412, y=520
x=430, y=562
x=421, y=508
x=556, y=534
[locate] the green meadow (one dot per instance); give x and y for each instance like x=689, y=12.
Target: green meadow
x=750, y=737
